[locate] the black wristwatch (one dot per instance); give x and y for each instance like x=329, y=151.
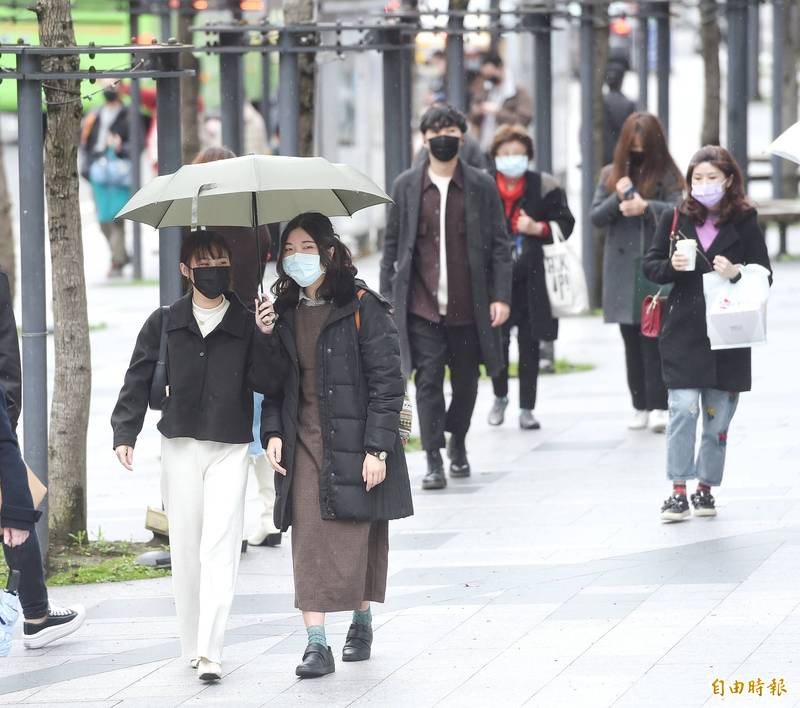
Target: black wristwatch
x=380, y=454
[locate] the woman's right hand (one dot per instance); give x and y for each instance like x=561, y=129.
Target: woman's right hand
x=125, y=456
x=15, y=537
x=680, y=262
x=274, y=453
x=623, y=186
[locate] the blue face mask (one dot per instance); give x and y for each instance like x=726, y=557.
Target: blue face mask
x=513, y=166
x=303, y=268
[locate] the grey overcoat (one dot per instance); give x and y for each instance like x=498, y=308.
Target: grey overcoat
x=628, y=239
x=488, y=252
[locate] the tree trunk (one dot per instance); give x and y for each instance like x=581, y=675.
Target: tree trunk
x=791, y=47
x=69, y=416
x=8, y=263
x=710, y=40
x=190, y=89
x=300, y=12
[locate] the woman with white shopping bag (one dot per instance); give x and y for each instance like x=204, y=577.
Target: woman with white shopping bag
x=716, y=230
x=535, y=207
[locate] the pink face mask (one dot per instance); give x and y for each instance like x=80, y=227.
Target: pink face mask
x=709, y=195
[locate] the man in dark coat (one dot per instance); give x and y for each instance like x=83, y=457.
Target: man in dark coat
x=446, y=266
x=44, y=623
x=616, y=107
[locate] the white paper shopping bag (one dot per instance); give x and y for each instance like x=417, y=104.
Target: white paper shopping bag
x=736, y=313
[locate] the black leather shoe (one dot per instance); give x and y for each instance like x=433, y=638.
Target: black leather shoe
x=317, y=661
x=272, y=540
x=359, y=643
x=435, y=478
x=457, y=452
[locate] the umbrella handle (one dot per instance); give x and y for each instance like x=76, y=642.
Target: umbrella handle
x=196, y=202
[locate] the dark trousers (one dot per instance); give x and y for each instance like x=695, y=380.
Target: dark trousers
x=643, y=362
x=529, y=349
x=433, y=347
x=27, y=559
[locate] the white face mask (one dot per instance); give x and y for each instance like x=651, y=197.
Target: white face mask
x=304, y=268
x=512, y=166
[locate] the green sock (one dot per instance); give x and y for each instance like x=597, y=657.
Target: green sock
x=316, y=635
x=363, y=617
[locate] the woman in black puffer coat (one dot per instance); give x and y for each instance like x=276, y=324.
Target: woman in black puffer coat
x=332, y=436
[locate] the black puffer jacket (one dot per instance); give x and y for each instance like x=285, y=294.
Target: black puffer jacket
x=361, y=392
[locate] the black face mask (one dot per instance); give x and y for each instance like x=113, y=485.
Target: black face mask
x=110, y=94
x=213, y=281
x=444, y=147
x=636, y=158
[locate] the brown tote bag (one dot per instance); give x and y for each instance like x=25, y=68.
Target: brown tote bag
x=38, y=490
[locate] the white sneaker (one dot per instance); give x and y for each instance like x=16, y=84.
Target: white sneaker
x=208, y=670
x=658, y=421
x=194, y=662
x=639, y=420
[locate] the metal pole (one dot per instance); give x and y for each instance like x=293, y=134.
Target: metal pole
x=663, y=63
x=643, y=57
x=778, y=33
x=168, y=104
x=406, y=81
x=494, y=20
x=587, y=146
x=393, y=163
x=753, y=48
x=231, y=87
x=289, y=97
x=166, y=22
x=543, y=90
x=456, y=77
x=137, y=146
x=32, y=257
x=737, y=82
x=266, y=90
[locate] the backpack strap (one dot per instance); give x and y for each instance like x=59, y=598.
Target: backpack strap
x=359, y=294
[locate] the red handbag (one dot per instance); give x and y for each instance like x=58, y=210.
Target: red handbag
x=653, y=305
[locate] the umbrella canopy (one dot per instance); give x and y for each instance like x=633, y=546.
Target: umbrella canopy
x=251, y=191
x=787, y=144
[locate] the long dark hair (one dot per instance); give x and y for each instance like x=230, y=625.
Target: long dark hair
x=340, y=273
x=657, y=160
x=733, y=203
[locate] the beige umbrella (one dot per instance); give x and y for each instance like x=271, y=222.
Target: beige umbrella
x=251, y=191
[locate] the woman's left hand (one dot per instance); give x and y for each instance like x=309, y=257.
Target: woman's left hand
x=725, y=268
x=373, y=471
x=265, y=315
x=635, y=206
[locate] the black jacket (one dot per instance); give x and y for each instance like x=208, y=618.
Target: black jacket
x=543, y=200
x=17, y=511
x=10, y=370
x=488, y=253
x=361, y=392
x=686, y=355
x=211, y=380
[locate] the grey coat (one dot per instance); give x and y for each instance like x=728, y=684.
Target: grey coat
x=488, y=252
x=628, y=239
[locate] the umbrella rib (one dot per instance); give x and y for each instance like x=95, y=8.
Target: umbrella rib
x=336, y=193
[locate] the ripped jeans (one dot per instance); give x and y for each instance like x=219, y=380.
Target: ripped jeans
x=718, y=408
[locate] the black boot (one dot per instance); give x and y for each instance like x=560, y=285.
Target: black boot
x=317, y=661
x=435, y=478
x=457, y=452
x=358, y=645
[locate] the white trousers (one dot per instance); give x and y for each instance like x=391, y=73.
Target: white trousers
x=203, y=487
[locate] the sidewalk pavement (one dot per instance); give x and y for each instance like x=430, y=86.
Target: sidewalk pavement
x=546, y=579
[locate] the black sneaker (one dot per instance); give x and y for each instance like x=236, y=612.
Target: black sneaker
x=703, y=503
x=60, y=622
x=675, y=508
x=457, y=452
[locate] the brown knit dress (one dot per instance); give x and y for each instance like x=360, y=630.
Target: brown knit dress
x=337, y=564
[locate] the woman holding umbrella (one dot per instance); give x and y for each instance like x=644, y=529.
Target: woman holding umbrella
x=217, y=355
x=332, y=435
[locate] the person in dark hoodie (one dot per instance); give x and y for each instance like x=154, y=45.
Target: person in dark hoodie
x=44, y=622
x=332, y=435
